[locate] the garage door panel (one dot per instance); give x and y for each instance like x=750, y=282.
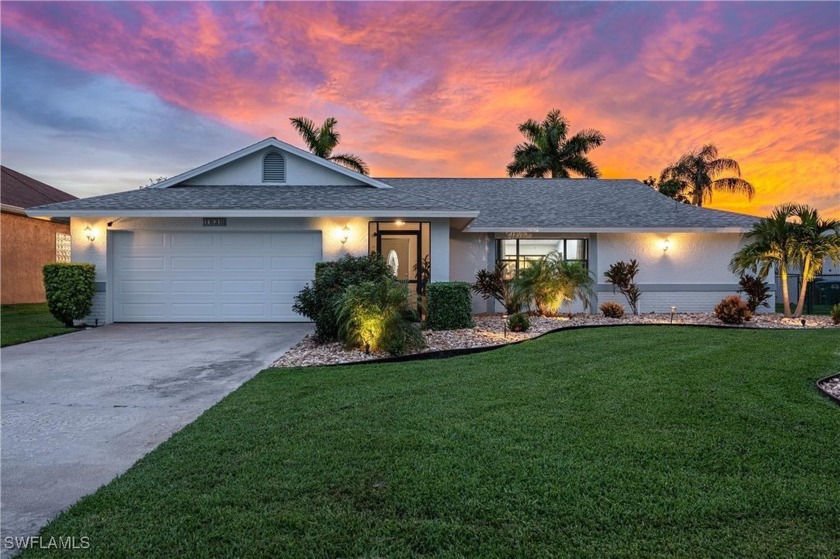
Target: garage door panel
x=193, y=286
x=211, y=276
x=192, y=240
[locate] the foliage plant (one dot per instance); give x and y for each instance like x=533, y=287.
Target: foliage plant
x=449, y=306
x=835, y=314
x=378, y=316
x=317, y=300
x=756, y=290
x=733, y=310
x=672, y=188
x=551, y=281
x=424, y=276
x=622, y=276
x=793, y=235
x=700, y=173
x=549, y=151
x=70, y=287
x=496, y=284
x=518, y=322
x=322, y=140
x=611, y=309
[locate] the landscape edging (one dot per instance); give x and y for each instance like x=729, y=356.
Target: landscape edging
x=826, y=392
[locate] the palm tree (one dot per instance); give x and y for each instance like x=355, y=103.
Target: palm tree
x=771, y=243
x=698, y=169
x=322, y=141
x=815, y=239
x=549, y=152
x=551, y=281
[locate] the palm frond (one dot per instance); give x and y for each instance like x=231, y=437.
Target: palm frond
x=352, y=162
x=735, y=185
x=306, y=128
x=724, y=165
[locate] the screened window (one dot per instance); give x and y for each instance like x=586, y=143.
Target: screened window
x=62, y=247
x=274, y=167
x=517, y=253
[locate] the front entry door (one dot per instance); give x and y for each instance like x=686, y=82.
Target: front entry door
x=406, y=247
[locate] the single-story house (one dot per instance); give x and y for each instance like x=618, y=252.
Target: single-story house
x=236, y=239
x=27, y=242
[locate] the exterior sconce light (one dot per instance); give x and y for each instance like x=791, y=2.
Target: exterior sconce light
x=90, y=233
x=666, y=244
x=345, y=234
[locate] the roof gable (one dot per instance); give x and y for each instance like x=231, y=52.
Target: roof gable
x=21, y=191
x=220, y=170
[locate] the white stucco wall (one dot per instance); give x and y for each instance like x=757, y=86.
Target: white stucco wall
x=248, y=171
x=96, y=252
x=469, y=253
x=692, y=274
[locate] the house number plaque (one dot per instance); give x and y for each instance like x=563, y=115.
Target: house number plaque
x=214, y=221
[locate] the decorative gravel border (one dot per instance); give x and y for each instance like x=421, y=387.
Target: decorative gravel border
x=830, y=386
x=488, y=334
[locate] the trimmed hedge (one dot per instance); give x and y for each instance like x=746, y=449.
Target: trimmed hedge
x=450, y=305
x=70, y=287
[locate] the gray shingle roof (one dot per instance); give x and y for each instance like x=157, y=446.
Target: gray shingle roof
x=503, y=204
x=583, y=204
x=270, y=197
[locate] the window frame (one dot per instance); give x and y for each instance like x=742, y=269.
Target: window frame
x=520, y=259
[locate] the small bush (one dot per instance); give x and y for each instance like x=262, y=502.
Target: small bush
x=518, y=322
x=70, y=288
x=611, y=309
x=551, y=281
x=733, y=310
x=835, y=314
x=758, y=292
x=377, y=316
x=622, y=276
x=317, y=301
x=496, y=285
x=449, y=306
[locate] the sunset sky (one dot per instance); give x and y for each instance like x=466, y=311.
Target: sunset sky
x=101, y=97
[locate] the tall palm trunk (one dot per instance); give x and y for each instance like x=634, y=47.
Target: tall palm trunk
x=785, y=293
x=803, y=288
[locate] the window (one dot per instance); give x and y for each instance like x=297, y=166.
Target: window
x=62, y=247
x=518, y=252
x=274, y=167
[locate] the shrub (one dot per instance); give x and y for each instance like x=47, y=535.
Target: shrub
x=317, y=301
x=449, y=306
x=733, y=310
x=496, y=285
x=611, y=309
x=835, y=314
x=758, y=292
x=622, y=276
x=70, y=288
x=518, y=322
x=551, y=281
x=377, y=316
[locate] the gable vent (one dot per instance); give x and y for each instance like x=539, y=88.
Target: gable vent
x=274, y=168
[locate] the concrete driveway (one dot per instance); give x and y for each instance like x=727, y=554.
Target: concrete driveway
x=80, y=409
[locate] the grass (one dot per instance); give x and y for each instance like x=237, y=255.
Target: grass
x=647, y=441
x=815, y=309
x=24, y=323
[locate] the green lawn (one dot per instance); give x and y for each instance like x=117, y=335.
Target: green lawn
x=614, y=442
x=24, y=323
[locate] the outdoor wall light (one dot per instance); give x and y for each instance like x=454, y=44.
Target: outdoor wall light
x=400, y=222
x=666, y=244
x=90, y=233
x=345, y=234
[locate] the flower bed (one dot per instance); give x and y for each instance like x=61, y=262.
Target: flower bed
x=489, y=331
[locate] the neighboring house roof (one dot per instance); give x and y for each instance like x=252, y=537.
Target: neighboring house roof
x=268, y=142
x=18, y=191
x=268, y=200
x=571, y=205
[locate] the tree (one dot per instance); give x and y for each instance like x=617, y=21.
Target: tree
x=815, y=239
x=551, y=281
x=771, y=242
x=622, y=276
x=698, y=170
x=672, y=188
x=548, y=151
x=322, y=140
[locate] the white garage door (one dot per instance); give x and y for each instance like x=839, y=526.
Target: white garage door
x=186, y=276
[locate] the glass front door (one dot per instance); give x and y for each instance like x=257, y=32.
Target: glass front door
x=405, y=247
